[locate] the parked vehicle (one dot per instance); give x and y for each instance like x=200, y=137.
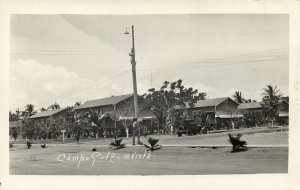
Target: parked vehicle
x=191, y=127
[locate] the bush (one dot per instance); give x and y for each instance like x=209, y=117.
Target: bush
x=237, y=144
x=14, y=132
x=29, y=144
x=117, y=143
x=153, y=144
x=11, y=145
x=179, y=133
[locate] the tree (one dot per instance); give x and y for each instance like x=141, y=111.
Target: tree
x=55, y=125
x=96, y=120
x=250, y=100
x=253, y=118
x=14, y=132
x=54, y=106
x=170, y=99
x=29, y=129
x=77, y=125
x=43, y=109
x=238, y=97
x=13, y=116
x=29, y=108
x=125, y=111
x=77, y=104
x=271, y=96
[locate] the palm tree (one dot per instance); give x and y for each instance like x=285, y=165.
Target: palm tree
x=29, y=108
x=271, y=97
x=238, y=97
x=96, y=118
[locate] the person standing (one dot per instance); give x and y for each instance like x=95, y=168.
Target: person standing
x=134, y=128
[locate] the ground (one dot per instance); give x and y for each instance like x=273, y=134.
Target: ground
x=179, y=155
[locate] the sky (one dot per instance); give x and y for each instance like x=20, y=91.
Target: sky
x=70, y=58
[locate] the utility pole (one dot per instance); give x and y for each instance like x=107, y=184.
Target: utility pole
x=135, y=98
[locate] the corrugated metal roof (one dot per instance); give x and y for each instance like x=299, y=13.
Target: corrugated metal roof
x=104, y=101
x=250, y=105
x=47, y=113
x=210, y=102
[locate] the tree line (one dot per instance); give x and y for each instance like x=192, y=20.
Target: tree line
x=168, y=103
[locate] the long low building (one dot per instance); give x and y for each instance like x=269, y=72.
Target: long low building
x=117, y=109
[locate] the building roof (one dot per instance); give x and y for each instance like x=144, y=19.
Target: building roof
x=211, y=102
x=283, y=101
x=47, y=113
x=250, y=105
x=104, y=101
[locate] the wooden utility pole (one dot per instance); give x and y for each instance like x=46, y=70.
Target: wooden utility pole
x=135, y=98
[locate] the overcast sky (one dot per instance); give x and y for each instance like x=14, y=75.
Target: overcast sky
x=69, y=58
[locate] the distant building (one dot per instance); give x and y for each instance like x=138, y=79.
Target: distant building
x=217, y=112
x=42, y=116
x=282, y=116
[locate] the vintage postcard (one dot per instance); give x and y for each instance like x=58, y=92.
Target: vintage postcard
x=159, y=94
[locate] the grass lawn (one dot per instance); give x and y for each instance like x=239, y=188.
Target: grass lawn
x=170, y=160
x=166, y=161
x=254, y=136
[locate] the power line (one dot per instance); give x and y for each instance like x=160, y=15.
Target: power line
x=225, y=63
x=99, y=52
x=224, y=58
x=229, y=63
x=68, y=53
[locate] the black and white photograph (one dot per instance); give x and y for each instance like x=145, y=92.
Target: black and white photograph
x=148, y=94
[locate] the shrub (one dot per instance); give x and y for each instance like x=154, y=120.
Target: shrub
x=179, y=133
x=237, y=144
x=153, y=144
x=117, y=143
x=29, y=144
x=14, y=132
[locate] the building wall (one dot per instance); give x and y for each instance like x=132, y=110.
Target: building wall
x=85, y=111
x=198, y=111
